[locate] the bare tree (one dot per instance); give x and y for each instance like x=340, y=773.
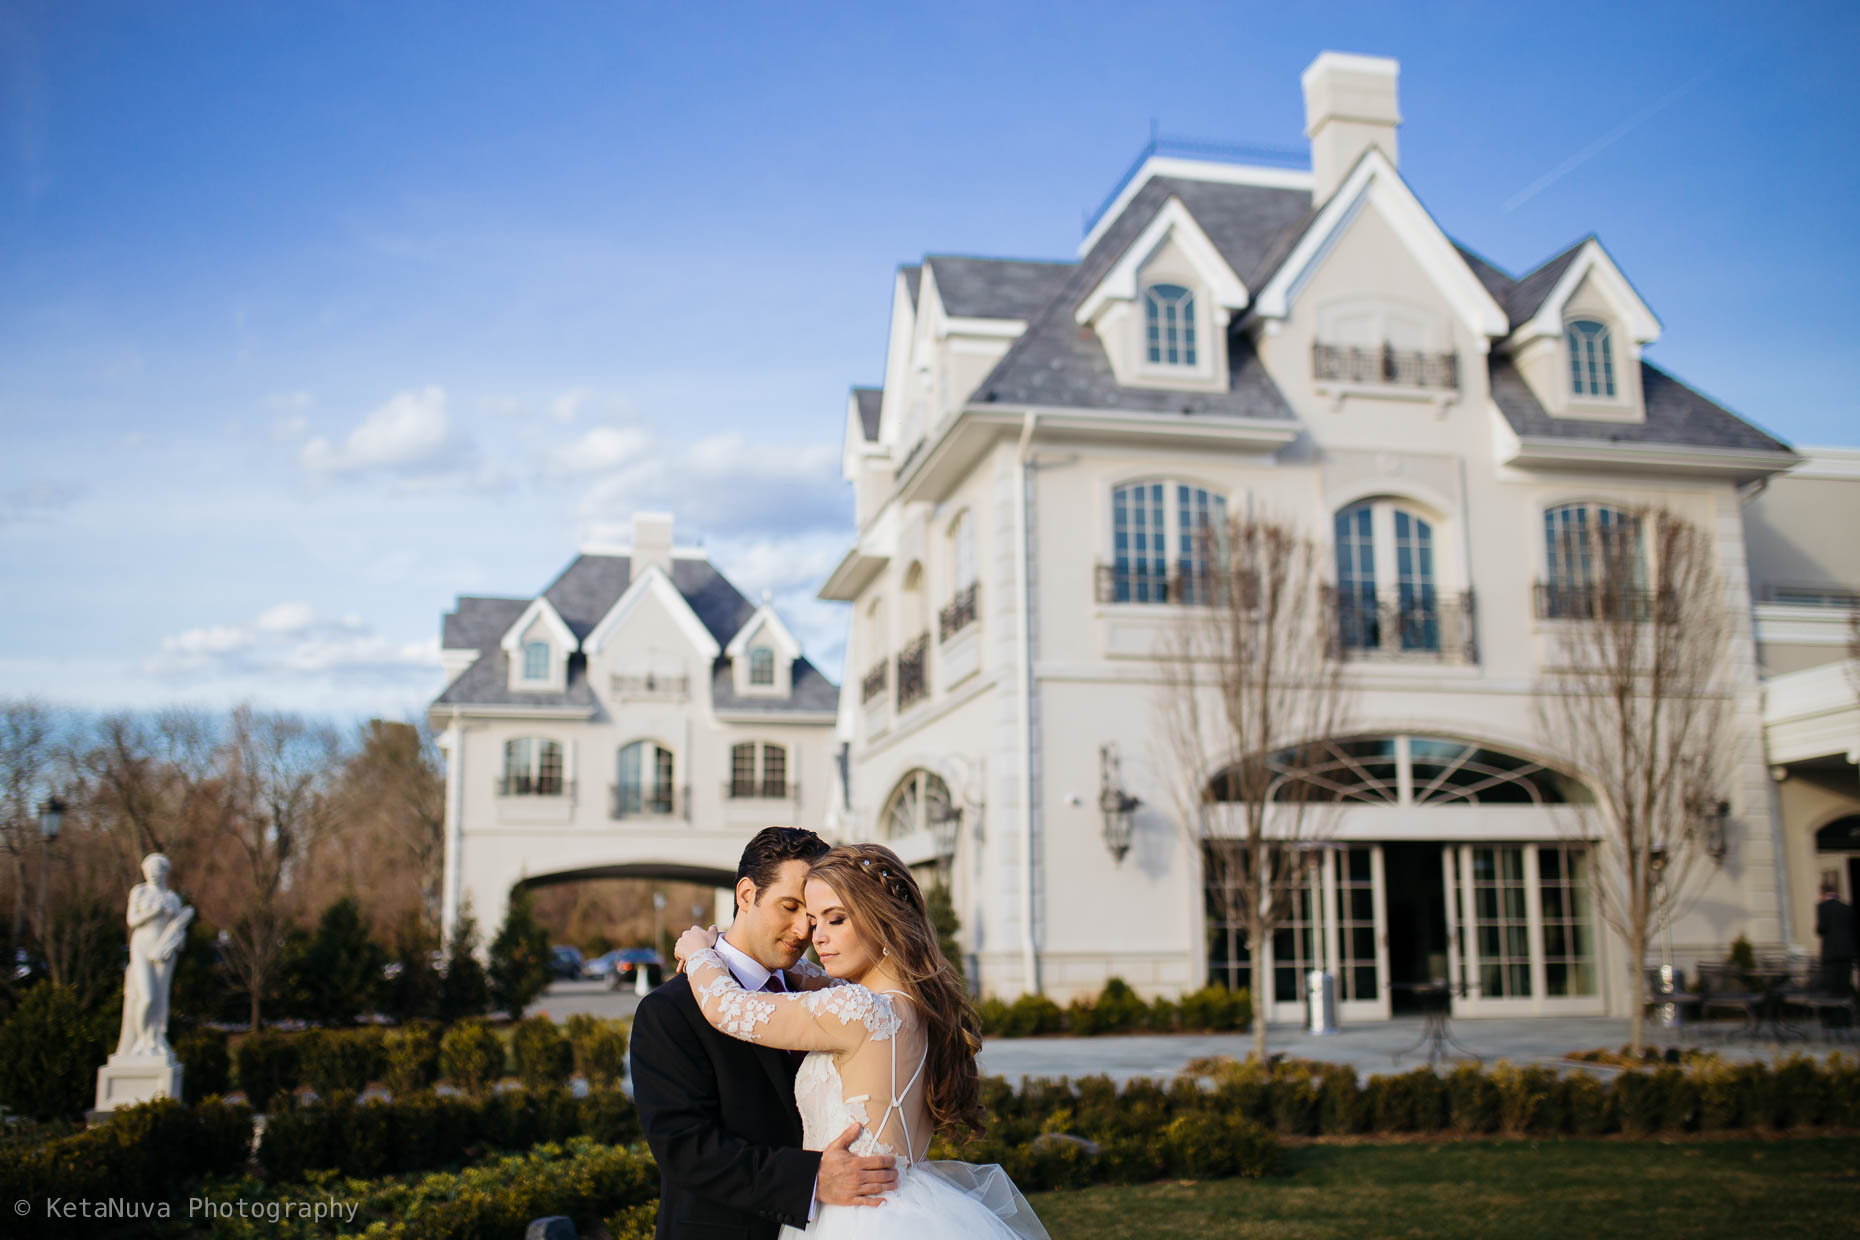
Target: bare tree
x=279, y=770
x=1635, y=698
x=390, y=837
x=1252, y=688
x=27, y=731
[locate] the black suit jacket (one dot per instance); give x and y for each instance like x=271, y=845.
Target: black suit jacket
x=720, y=1117
x=1834, y=922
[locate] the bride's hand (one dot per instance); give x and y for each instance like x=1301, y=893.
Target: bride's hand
x=694, y=940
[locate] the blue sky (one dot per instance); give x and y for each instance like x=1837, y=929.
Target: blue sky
x=314, y=316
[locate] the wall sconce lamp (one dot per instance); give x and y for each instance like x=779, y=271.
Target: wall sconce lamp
x=1115, y=804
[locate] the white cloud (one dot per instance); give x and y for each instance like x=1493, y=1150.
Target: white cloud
x=288, y=642
x=602, y=448
x=37, y=499
x=728, y=486
x=410, y=434
x=566, y=405
x=286, y=618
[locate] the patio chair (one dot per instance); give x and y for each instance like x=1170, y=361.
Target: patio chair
x=1833, y=1014
x=1666, y=986
x=1722, y=987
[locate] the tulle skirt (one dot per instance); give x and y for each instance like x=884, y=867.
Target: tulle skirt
x=941, y=1200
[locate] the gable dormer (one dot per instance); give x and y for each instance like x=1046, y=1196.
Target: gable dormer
x=537, y=648
x=762, y=656
x=1161, y=311
x=1578, y=328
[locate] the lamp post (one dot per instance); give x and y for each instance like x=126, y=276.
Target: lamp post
x=51, y=819
x=1116, y=805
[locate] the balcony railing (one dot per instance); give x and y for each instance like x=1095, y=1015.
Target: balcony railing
x=958, y=615
x=1340, y=363
x=531, y=785
x=1424, y=626
x=911, y=683
x=648, y=801
x=761, y=790
x=650, y=685
x=1604, y=601
x=876, y=677
x=1153, y=583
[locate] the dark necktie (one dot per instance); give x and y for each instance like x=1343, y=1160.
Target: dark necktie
x=774, y=987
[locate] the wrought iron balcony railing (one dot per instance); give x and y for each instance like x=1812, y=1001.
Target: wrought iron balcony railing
x=911, y=682
x=958, y=615
x=648, y=801
x=533, y=785
x=761, y=790
x=651, y=685
x=1603, y=601
x=876, y=678
x=1421, y=625
x=1339, y=363
x=1180, y=583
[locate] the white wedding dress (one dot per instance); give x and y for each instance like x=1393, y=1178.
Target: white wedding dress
x=934, y=1200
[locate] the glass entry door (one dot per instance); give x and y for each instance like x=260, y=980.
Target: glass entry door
x=1339, y=923
x=1521, y=929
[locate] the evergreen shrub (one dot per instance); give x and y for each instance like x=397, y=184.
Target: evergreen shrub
x=412, y=1064
x=206, y=1067
x=542, y=1053
x=267, y=1064
x=49, y=1054
x=599, y=1048
x=471, y=1057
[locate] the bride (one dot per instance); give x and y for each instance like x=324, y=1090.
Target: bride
x=891, y=1042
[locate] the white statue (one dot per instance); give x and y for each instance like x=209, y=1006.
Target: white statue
x=157, y=929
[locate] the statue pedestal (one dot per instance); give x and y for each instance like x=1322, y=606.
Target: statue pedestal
x=125, y=1080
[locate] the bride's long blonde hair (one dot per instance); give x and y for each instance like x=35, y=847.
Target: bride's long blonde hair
x=887, y=908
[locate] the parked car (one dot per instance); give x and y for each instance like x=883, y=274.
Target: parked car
x=628, y=962
x=565, y=962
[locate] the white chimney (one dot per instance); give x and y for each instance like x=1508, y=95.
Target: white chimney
x=1349, y=107
x=652, y=541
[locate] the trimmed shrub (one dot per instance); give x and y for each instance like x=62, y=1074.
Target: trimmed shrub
x=608, y=1116
x=1640, y=1102
x=1132, y=1160
x=1800, y=1092
x=471, y=1057
x=1216, y=1009
x=206, y=1068
x=1526, y=1099
x=1761, y=1100
x=1207, y=1145
x=1081, y=1017
x=993, y=1015
x=412, y=1053
x=49, y=1053
x=1587, y=1105
x=1411, y=1102
x=341, y=1060
x=1032, y=1015
x=1059, y=1161
x=543, y=1055
x=1472, y=1100
x=1294, y=1104
x=1119, y=1010
x=1164, y=1015
x=599, y=1048
x=267, y=1064
x=1721, y=1099
x=1343, y=1107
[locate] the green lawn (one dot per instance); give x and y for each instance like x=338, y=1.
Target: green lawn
x=1517, y=1190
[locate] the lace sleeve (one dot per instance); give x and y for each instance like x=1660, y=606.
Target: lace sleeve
x=806, y=975
x=837, y=1018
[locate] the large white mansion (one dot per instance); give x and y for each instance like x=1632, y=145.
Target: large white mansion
x=1026, y=482
x=1312, y=343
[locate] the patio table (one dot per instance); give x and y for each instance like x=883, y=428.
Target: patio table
x=1435, y=999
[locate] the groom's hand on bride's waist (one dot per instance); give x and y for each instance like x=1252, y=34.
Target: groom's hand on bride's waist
x=849, y=1179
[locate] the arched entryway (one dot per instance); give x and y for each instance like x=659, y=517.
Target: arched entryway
x=1434, y=860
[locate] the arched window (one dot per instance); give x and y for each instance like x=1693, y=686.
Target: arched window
x=761, y=666
x=920, y=802
x=535, y=660
x=532, y=768
x=758, y=769
x=1592, y=558
x=1169, y=312
x=1406, y=619
x=959, y=612
x=1149, y=521
x=1400, y=770
x=1591, y=358
x=645, y=783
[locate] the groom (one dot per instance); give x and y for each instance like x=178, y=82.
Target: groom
x=720, y=1114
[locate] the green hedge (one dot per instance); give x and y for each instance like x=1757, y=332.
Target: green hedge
x=149, y=1152
x=1118, y=1009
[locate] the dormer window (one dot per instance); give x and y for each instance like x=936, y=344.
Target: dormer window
x=1169, y=311
x=762, y=666
x=1591, y=359
x=535, y=660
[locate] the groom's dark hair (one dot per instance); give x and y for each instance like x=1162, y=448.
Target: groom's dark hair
x=762, y=859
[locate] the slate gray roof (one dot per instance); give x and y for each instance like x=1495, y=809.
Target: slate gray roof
x=870, y=401
x=1058, y=362
x=812, y=692
x=1496, y=282
x=1676, y=414
x=995, y=288
x=1527, y=294
x=584, y=593
x=913, y=279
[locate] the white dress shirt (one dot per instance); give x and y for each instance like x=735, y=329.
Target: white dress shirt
x=752, y=976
